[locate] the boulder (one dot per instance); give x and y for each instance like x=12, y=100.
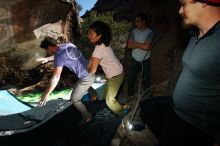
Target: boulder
x=23, y=24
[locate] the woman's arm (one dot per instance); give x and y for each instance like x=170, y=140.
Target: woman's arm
x=93, y=65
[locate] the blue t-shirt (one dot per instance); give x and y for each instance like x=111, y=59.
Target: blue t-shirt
x=197, y=93
x=69, y=56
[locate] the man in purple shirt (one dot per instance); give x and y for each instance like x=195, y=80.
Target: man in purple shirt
x=68, y=55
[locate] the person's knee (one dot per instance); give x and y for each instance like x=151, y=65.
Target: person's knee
x=110, y=101
x=75, y=100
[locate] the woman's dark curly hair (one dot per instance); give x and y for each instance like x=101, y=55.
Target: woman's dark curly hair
x=104, y=30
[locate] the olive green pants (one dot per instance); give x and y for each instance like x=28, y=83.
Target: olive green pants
x=112, y=87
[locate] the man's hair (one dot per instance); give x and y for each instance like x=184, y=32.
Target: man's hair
x=143, y=17
x=48, y=41
x=104, y=30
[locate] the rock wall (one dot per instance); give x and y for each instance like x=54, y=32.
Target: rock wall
x=165, y=21
x=22, y=25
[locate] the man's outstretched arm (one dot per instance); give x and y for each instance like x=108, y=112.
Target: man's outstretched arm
x=53, y=83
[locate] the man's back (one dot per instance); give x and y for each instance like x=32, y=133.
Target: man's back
x=69, y=56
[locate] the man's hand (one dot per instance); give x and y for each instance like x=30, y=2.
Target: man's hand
x=43, y=101
x=42, y=60
x=45, y=59
x=132, y=44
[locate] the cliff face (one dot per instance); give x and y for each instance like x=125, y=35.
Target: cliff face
x=165, y=21
x=123, y=8
x=24, y=22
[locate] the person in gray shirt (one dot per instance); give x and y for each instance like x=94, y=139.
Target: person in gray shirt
x=192, y=115
x=139, y=41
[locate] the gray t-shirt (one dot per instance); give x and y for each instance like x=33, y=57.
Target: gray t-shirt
x=141, y=37
x=197, y=92
x=69, y=56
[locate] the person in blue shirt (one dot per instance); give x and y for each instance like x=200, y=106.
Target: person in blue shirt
x=191, y=116
x=68, y=55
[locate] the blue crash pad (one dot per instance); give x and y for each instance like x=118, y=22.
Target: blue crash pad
x=9, y=104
